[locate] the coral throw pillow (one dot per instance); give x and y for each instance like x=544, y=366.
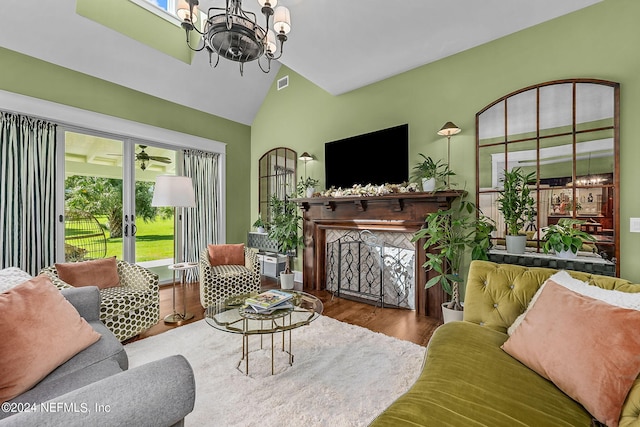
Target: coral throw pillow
x=226, y=254
x=102, y=273
x=39, y=331
x=589, y=349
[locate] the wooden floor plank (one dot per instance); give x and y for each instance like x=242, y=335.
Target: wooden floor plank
x=399, y=323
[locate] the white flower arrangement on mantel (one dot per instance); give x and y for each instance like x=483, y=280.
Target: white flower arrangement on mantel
x=369, y=190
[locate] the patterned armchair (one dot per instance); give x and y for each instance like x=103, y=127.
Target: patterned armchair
x=222, y=281
x=130, y=308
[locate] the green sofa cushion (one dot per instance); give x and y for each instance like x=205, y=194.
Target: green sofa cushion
x=498, y=293
x=477, y=384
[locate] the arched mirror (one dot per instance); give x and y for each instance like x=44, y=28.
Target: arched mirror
x=276, y=175
x=567, y=133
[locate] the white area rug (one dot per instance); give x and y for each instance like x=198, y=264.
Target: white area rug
x=342, y=375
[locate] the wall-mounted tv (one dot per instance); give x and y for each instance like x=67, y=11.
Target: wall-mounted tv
x=378, y=157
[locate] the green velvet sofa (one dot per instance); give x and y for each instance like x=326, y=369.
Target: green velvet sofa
x=468, y=380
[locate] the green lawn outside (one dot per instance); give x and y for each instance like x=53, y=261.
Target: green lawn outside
x=154, y=240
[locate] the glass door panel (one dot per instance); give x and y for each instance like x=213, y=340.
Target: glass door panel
x=93, y=197
x=154, y=226
x=108, y=192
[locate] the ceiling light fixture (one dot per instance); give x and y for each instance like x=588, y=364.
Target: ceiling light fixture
x=234, y=33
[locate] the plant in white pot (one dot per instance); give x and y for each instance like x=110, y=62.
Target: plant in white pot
x=284, y=229
x=307, y=187
x=517, y=207
x=431, y=174
x=260, y=225
x=448, y=234
x=565, y=239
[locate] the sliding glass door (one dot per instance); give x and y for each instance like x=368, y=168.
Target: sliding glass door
x=108, y=188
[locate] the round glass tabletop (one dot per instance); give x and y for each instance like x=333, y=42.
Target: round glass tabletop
x=229, y=314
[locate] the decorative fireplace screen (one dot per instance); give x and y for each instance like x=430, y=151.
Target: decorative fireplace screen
x=364, y=265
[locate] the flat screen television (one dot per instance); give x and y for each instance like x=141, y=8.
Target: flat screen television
x=378, y=157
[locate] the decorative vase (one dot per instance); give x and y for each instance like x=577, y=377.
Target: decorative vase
x=449, y=315
x=428, y=184
x=567, y=254
x=516, y=244
x=286, y=280
x=260, y=230
x=310, y=191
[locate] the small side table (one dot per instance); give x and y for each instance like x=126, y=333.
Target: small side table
x=176, y=317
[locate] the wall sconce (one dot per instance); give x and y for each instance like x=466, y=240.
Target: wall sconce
x=447, y=130
x=305, y=157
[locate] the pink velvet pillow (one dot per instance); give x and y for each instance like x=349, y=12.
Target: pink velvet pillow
x=589, y=349
x=39, y=331
x=102, y=273
x=226, y=254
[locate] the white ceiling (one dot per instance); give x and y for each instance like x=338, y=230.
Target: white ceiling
x=338, y=45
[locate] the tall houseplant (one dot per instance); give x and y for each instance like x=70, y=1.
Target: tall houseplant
x=565, y=239
x=431, y=174
x=517, y=206
x=449, y=233
x=284, y=229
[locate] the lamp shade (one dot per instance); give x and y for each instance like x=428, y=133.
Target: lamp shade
x=305, y=157
x=449, y=129
x=184, y=11
x=282, y=20
x=173, y=190
x=272, y=47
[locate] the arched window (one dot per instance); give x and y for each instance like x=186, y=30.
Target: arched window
x=276, y=176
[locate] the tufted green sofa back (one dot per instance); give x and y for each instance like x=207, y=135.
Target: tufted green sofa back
x=498, y=293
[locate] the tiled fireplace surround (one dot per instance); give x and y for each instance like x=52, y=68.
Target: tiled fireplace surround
x=325, y=218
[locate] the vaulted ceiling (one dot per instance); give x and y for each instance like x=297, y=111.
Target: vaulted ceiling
x=338, y=45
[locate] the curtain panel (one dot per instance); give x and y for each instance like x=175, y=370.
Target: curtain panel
x=200, y=224
x=27, y=192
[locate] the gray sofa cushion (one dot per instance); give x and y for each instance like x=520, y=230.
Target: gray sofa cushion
x=157, y=394
x=50, y=389
x=106, y=348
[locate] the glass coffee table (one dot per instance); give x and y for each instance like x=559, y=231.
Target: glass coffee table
x=229, y=315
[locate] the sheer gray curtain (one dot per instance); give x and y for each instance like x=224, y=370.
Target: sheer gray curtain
x=199, y=225
x=27, y=192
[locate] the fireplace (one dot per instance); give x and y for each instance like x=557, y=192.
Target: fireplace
x=402, y=213
x=378, y=267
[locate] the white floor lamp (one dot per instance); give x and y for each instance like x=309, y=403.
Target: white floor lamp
x=176, y=192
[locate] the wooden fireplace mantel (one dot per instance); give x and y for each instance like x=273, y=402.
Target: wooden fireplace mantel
x=401, y=212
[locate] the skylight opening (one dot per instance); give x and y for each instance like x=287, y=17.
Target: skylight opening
x=165, y=9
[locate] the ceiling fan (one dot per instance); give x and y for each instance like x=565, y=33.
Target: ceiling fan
x=144, y=158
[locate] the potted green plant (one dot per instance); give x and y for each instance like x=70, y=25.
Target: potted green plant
x=306, y=187
x=260, y=225
x=284, y=229
x=517, y=207
x=448, y=234
x=430, y=173
x=565, y=239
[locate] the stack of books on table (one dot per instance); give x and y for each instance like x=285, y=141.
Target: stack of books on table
x=269, y=301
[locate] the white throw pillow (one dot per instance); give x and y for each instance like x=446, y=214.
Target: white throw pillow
x=12, y=276
x=617, y=298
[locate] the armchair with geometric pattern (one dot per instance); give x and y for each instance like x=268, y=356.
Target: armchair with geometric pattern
x=222, y=281
x=129, y=308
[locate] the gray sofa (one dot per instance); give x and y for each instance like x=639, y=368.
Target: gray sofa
x=94, y=388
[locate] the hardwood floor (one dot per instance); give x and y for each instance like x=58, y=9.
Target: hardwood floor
x=398, y=323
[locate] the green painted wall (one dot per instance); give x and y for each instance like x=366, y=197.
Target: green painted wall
x=136, y=22
x=598, y=42
x=32, y=77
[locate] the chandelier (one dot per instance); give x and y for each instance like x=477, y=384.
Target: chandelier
x=234, y=33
